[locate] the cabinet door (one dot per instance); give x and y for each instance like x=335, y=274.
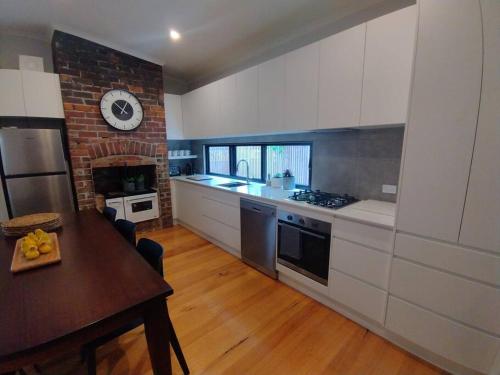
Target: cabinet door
x=442, y=119
x=247, y=103
x=42, y=94
x=480, y=224
x=173, y=116
x=301, y=80
x=228, y=101
x=11, y=94
x=200, y=109
x=389, y=52
x=272, y=95
x=340, y=78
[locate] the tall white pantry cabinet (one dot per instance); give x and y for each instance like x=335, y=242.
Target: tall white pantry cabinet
x=444, y=290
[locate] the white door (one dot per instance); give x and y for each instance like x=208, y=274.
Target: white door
x=200, y=109
x=272, y=95
x=42, y=94
x=442, y=119
x=340, y=78
x=389, y=52
x=11, y=93
x=173, y=116
x=481, y=223
x=301, y=95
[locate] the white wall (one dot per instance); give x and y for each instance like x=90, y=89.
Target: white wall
x=11, y=46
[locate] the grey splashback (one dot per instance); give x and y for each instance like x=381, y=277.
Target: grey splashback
x=355, y=161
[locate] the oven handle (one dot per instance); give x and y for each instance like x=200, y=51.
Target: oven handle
x=138, y=200
x=321, y=237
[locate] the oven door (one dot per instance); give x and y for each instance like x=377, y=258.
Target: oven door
x=141, y=207
x=304, y=251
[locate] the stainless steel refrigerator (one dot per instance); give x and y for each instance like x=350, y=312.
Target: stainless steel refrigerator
x=35, y=171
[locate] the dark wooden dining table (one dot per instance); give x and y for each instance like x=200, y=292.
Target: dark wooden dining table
x=100, y=285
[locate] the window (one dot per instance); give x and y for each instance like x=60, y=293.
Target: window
x=263, y=159
x=218, y=160
x=253, y=155
x=296, y=158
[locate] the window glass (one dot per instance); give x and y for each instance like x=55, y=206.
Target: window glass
x=253, y=155
x=218, y=159
x=296, y=158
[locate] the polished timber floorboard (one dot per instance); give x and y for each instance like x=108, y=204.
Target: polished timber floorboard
x=231, y=319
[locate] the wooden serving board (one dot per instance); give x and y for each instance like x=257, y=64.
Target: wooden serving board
x=20, y=263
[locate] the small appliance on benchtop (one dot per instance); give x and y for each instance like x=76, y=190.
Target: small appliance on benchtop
x=174, y=170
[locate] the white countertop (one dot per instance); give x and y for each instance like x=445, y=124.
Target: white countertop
x=368, y=211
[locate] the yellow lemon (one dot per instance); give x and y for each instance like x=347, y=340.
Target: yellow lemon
x=32, y=254
x=45, y=248
x=28, y=246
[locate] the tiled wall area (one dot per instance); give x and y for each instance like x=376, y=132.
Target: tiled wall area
x=356, y=162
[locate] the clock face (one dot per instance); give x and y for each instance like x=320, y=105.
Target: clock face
x=121, y=109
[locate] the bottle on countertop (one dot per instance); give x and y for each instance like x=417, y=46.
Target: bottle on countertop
x=268, y=181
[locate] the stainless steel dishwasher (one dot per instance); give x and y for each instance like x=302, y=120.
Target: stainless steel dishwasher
x=258, y=236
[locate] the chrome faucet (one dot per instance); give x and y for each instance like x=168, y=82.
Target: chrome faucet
x=248, y=169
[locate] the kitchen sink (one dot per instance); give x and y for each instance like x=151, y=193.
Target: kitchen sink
x=232, y=184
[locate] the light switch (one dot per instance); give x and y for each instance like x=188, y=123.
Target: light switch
x=389, y=189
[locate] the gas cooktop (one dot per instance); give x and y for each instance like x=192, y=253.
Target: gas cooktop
x=322, y=199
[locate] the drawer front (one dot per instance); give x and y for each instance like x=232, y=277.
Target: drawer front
x=470, y=263
x=221, y=196
x=368, y=235
x=461, y=344
x=359, y=296
x=366, y=264
x=222, y=212
x=466, y=301
x=222, y=232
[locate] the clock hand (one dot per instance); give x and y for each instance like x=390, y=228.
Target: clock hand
x=121, y=109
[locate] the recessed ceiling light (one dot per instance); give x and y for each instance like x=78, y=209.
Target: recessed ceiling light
x=174, y=34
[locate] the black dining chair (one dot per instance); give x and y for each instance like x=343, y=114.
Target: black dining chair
x=109, y=213
x=152, y=252
x=127, y=230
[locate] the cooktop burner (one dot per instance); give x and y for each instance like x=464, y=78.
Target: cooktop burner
x=319, y=198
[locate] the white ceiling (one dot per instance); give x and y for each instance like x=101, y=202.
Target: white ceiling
x=217, y=35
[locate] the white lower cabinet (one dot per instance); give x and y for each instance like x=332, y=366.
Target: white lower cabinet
x=365, y=264
x=459, y=343
x=466, y=301
x=368, y=235
x=211, y=212
x=357, y=295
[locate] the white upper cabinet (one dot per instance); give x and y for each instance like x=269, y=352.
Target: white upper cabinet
x=227, y=106
x=272, y=95
x=301, y=83
x=42, y=94
x=481, y=223
x=247, y=102
x=442, y=119
x=200, y=110
x=389, y=52
x=340, y=78
x=11, y=93
x=173, y=116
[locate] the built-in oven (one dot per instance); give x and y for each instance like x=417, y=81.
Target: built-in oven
x=141, y=207
x=304, y=245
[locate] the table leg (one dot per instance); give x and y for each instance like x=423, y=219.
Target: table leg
x=156, y=324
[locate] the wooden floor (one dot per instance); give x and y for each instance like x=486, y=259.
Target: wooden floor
x=231, y=319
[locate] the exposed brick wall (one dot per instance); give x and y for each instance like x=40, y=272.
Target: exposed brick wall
x=88, y=70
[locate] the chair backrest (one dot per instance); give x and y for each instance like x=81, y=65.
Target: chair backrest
x=152, y=252
x=109, y=213
x=127, y=230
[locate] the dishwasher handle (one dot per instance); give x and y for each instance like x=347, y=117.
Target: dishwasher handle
x=260, y=208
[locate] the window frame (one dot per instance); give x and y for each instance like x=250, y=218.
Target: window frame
x=263, y=159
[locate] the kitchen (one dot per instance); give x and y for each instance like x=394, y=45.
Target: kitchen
x=352, y=175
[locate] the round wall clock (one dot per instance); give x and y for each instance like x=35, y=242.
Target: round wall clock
x=121, y=109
